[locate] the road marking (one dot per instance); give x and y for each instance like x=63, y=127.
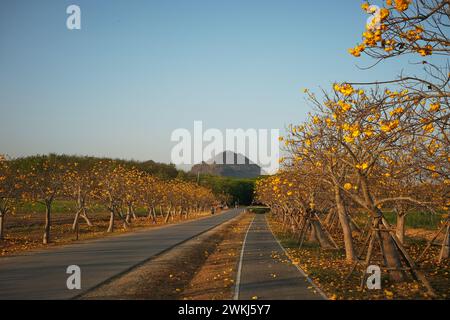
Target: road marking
x=298, y=268
x=238, y=276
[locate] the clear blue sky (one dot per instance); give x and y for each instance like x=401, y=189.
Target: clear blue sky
x=137, y=70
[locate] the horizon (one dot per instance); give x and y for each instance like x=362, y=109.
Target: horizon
x=185, y=168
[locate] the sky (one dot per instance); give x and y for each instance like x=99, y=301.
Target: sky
x=137, y=70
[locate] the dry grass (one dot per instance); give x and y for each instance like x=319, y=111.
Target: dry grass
x=216, y=278
x=329, y=270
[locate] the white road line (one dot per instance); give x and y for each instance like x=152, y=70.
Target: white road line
x=298, y=268
x=238, y=276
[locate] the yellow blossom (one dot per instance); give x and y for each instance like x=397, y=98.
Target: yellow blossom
x=435, y=107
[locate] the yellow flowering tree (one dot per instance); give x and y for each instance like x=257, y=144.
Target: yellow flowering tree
x=9, y=189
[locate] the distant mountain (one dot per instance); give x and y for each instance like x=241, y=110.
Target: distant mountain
x=230, y=157
x=228, y=164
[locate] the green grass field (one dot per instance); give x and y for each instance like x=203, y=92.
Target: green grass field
x=417, y=219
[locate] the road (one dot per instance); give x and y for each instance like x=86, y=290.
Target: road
x=42, y=275
x=264, y=275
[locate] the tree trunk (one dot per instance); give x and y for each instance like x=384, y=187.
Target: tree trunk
x=353, y=226
x=169, y=212
x=400, y=228
x=151, y=214
x=320, y=235
x=128, y=215
x=2, y=225
x=329, y=218
x=133, y=213
x=445, y=250
x=86, y=217
x=391, y=255
x=48, y=210
x=111, y=221
x=312, y=233
x=75, y=220
x=350, y=253
x=389, y=250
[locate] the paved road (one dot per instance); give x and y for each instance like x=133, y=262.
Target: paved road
x=263, y=273
x=42, y=275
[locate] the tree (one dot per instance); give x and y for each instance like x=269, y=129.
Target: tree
x=9, y=186
x=111, y=189
x=80, y=183
x=418, y=28
x=43, y=181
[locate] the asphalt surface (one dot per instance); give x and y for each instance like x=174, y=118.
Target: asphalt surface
x=42, y=275
x=266, y=271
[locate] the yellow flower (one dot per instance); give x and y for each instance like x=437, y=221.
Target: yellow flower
x=368, y=133
x=389, y=126
x=428, y=128
x=356, y=51
x=435, y=107
x=362, y=166
x=345, y=106
x=388, y=294
x=347, y=89
x=348, y=139
x=396, y=111
x=336, y=87
x=402, y=5
x=425, y=51
x=347, y=186
x=384, y=13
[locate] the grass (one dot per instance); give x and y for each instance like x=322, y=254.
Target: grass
x=58, y=206
x=414, y=219
x=258, y=209
x=417, y=219
x=69, y=207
